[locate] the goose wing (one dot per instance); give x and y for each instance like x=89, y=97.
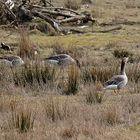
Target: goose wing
x=10, y=58
x=57, y=57
x=115, y=80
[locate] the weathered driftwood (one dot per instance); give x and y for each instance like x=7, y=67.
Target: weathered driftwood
x=77, y=18
x=55, y=16
x=120, y=22
x=13, y=16
x=114, y=28
x=48, y=19
x=57, y=9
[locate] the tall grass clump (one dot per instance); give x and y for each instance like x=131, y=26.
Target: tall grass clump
x=94, y=94
x=55, y=109
x=72, y=4
x=22, y=118
x=111, y=116
x=120, y=53
x=98, y=74
x=72, y=83
x=26, y=48
x=86, y=1
x=87, y=76
x=36, y=74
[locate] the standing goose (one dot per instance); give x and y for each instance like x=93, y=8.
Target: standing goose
x=11, y=61
x=118, y=81
x=62, y=60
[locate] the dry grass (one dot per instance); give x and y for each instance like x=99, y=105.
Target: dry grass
x=72, y=82
x=95, y=94
x=33, y=99
x=22, y=117
x=26, y=48
x=72, y=4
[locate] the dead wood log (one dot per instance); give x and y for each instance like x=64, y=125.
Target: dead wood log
x=47, y=19
x=57, y=13
x=120, y=22
x=13, y=16
x=108, y=30
x=57, y=9
x=77, y=18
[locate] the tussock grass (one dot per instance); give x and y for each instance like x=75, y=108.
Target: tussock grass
x=56, y=117
x=72, y=84
x=95, y=94
x=98, y=74
x=111, y=116
x=120, y=53
x=22, y=117
x=26, y=47
x=36, y=74
x=72, y=4
x=55, y=109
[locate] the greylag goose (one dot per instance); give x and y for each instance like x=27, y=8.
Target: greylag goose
x=62, y=60
x=11, y=61
x=118, y=81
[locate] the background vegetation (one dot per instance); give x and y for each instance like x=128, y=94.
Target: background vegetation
x=39, y=102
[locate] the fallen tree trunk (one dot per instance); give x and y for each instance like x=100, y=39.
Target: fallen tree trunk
x=55, y=16
x=47, y=19
x=77, y=18
x=120, y=22
x=13, y=16
x=110, y=29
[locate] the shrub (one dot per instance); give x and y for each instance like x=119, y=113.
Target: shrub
x=94, y=94
x=72, y=4
x=22, y=118
x=111, y=116
x=26, y=48
x=122, y=53
x=34, y=74
x=72, y=83
x=86, y=2
x=56, y=109
x=98, y=74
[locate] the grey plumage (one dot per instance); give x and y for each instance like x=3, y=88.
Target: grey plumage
x=11, y=61
x=62, y=60
x=118, y=81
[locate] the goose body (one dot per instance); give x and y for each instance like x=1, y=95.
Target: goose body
x=118, y=81
x=62, y=60
x=11, y=61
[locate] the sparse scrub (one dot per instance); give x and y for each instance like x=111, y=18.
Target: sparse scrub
x=72, y=4
x=94, y=97
x=33, y=98
x=111, y=116
x=26, y=48
x=69, y=133
x=120, y=53
x=98, y=74
x=87, y=76
x=134, y=73
x=34, y=74
x=72, y=83
x=56, y=109
x=22, y=118
x=86, y=1
x=132, y=104
x=95, y=94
